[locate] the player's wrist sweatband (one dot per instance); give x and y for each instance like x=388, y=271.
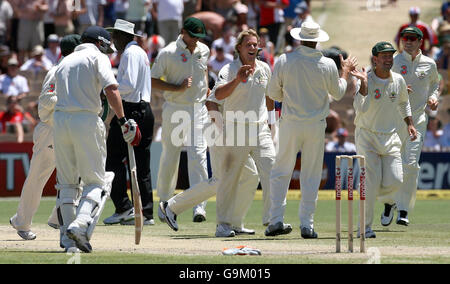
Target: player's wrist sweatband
x=122, y=121
x=272, y=117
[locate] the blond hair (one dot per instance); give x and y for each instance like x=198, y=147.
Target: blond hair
x=242, y=35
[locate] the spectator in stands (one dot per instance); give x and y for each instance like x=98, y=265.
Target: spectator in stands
x=303, y=14
x=191, y=7
x=5, y=54
x=219, y=59
x=94, y=14
x=155, y=44
x=13, y=84
x=137, y=13
x=31, y=26
x=271, y=17
x=38, y=61
x=434, y=138
x=121, y=7
x=289, y=12
x=170, y=17
x=6, y=14
x=61, y=12
x=428, y=34
x=11, y=120
x=442, y=54
x=227, y=41
x=341, y=145
x=446, y=133
x=436, y=23
x=267, y=53
x=53, y=52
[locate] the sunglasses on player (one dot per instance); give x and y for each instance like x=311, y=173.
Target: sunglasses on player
x=410, y=38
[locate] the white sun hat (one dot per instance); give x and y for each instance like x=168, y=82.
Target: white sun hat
x=309, y=31
x=123, y=26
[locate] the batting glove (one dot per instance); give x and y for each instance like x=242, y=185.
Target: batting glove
x=131, y=133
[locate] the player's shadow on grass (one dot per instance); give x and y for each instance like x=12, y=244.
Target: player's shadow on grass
x=191, y=237
x=38, y=251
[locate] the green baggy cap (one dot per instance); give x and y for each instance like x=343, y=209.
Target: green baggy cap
x=195, y=27
x=382, y=46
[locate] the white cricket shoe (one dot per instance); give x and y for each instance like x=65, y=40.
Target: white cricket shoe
x=80, y=237
x=26, y=235
x=388, y=214
x=278, y=228
x=243, y=231
x=169, y=216
x=224, y=231
x=116, y=218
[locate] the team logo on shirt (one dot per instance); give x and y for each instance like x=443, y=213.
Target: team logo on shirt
x=377, y=94
x=393, y=96
x=404, y=70
x=421, y=74
x=183, y=57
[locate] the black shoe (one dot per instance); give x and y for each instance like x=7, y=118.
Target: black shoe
x=199, y=218
x=278, y=229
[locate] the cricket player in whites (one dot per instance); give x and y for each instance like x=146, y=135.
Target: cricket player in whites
x=43, y=159
x=80, y=134
x=302, y=81
x=381, y=97
x=183, y=66
x=421, y=76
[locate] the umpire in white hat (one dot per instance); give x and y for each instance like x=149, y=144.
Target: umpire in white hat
x=135, y=88
x=302, y=80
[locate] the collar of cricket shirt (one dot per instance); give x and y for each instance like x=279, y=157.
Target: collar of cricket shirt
x=376, y=78
x=130, y=44
x=408, y=56
x=86, y=46
x=181, y=44
x=308, y=51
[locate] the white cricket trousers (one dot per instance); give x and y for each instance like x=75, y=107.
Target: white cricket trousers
x=384, y=173
x=80, y=152
x=41, y=168
x=406, y=195
x=182, y=125
x=260, y=147
x=203, y=191
x=309, y=138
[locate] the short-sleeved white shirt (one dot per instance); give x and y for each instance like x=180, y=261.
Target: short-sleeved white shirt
x=80, y=77
x=13, y=86
x=170, y=9
x=217, y=65
x=227, y=47
x=134, y=74
x=175, y=63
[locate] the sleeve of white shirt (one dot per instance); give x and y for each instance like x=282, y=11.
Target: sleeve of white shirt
x=275, y=89
x=127, y=73
x=159, y=66
x=360, y=103
x=434, y=83
x=403, y=104
x=24, y=88
x=338, y=86
x=105, y=73
x=47, y=98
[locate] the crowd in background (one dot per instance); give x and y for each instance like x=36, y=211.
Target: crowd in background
x=30, y=31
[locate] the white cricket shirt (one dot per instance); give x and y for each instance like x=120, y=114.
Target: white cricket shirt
x=302, y=80
x=249, y=97
x=175, y=63
x=45, y=111
x=80, y=77
x=134, y=74
x=422, y=75
x=379, y=110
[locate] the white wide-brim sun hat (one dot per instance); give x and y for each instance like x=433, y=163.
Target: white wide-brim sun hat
x=124, y=26
x=309, y=31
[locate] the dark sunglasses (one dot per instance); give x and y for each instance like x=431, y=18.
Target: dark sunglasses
x=411, y=38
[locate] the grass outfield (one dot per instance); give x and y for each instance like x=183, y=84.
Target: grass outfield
x=426, y=240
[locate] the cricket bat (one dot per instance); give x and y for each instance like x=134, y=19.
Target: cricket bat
x=138, y=215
